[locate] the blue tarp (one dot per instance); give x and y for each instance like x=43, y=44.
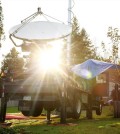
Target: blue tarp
x=91, y=68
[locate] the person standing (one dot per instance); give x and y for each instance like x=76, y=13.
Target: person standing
x=115, y=95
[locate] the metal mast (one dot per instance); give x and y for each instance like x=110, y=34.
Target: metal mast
x=69, y=37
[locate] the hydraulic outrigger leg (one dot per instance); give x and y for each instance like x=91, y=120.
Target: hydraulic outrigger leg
x=3, y=109
x=48, y=117
x=63, y=109
x=3, y=102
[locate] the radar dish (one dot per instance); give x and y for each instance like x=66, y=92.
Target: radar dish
x=40, y=31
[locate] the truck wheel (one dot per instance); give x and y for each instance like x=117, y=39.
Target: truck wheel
x=25, y=113
x=37, y=111
x=99, y=109
x=77, y=108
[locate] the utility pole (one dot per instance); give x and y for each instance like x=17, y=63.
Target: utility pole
x=69, y=37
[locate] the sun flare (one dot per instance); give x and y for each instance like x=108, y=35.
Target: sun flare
x=50, y=58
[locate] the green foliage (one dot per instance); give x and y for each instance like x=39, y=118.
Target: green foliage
x=81, y=46
x=12, y=62
x=12, y=110
x=113, y=34
x=1, y=22
x=7, y=131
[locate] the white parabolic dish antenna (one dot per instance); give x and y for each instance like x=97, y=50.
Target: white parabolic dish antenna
x=40, y=31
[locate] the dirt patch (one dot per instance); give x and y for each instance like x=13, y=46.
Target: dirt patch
x=66, y=124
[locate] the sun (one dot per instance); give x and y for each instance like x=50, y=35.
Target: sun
x=50, y=57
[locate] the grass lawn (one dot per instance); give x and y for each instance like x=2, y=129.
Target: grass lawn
x=104, y=124
x=12, y=110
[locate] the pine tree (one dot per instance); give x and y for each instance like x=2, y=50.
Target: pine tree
x=113, y=34
x=13, y=62
x=81, y=46
x=1, y=23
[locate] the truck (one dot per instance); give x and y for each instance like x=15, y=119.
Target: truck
x=42, y=85
x=60, y=89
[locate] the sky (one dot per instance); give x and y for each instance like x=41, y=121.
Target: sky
x=93, y=15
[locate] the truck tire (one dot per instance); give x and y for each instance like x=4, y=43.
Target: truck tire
x=36, y=112
x=99, y=109
x=25, y=113
x=77, y=108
